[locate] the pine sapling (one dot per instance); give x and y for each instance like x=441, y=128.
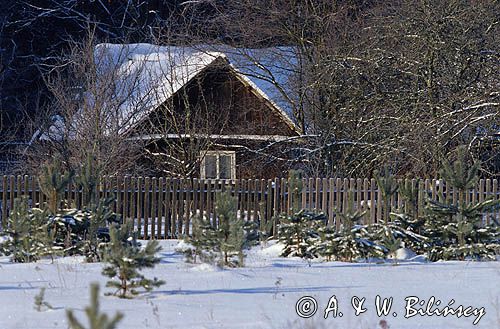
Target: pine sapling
x=455, y=228
x=27, y=234
x=101, y=214
x=204, y=241
x=53, y=184
x=125, y=258
x=299, y=233
x=230, y=232
x=392, y=244
x=387, y=186
x=96, y=319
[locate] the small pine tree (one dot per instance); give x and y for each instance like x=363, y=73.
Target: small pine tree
x=222, y=242
x=391, y=243
x=402, y=225
x=299, y=233
x=353, y=241
x=410, y=193
x=388, y=186
x=407, y=223
x=456, y=230
x=53, y=184
x=230, y=233
x=96, y=319
x=27, y=234
x=402, y=228
x=97, y=210
x=327, y=246
x=204, y=241
x=124, y=258
x=88, y=181
x=405, y=227
x=100, y=214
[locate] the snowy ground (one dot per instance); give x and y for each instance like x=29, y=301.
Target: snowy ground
x=262, y=295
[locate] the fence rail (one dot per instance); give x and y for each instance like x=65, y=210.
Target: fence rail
x=163, y=207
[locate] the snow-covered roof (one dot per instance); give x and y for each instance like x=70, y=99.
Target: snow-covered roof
x=145, y=76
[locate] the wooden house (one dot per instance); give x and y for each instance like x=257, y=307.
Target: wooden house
x=194, y=113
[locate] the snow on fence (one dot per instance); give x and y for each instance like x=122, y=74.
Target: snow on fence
x=163, y=208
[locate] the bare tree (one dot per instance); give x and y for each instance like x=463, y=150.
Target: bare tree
x=96, y=100
x=369, y=83
x=394, y=83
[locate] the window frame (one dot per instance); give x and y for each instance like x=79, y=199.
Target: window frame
x=217, y=154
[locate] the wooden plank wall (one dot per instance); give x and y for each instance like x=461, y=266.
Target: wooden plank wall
x=163, y=207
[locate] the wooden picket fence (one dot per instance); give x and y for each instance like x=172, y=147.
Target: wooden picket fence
x=163, y=207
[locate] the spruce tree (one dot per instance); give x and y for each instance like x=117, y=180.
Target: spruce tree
x=96, y=319
x=125, y=258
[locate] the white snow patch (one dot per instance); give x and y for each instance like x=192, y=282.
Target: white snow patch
x=183, y=246
x=403, y=254
x=204, y=268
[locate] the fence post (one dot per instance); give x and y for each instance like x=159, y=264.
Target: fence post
x=366, y=200
x=4, y=201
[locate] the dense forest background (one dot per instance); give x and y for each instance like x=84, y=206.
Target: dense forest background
x=399, y=83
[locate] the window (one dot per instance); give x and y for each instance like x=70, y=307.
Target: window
x=218, y=165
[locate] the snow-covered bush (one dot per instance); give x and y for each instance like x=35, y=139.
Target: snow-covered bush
x=397, y=234
x=457, y=232
x=82, y=232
